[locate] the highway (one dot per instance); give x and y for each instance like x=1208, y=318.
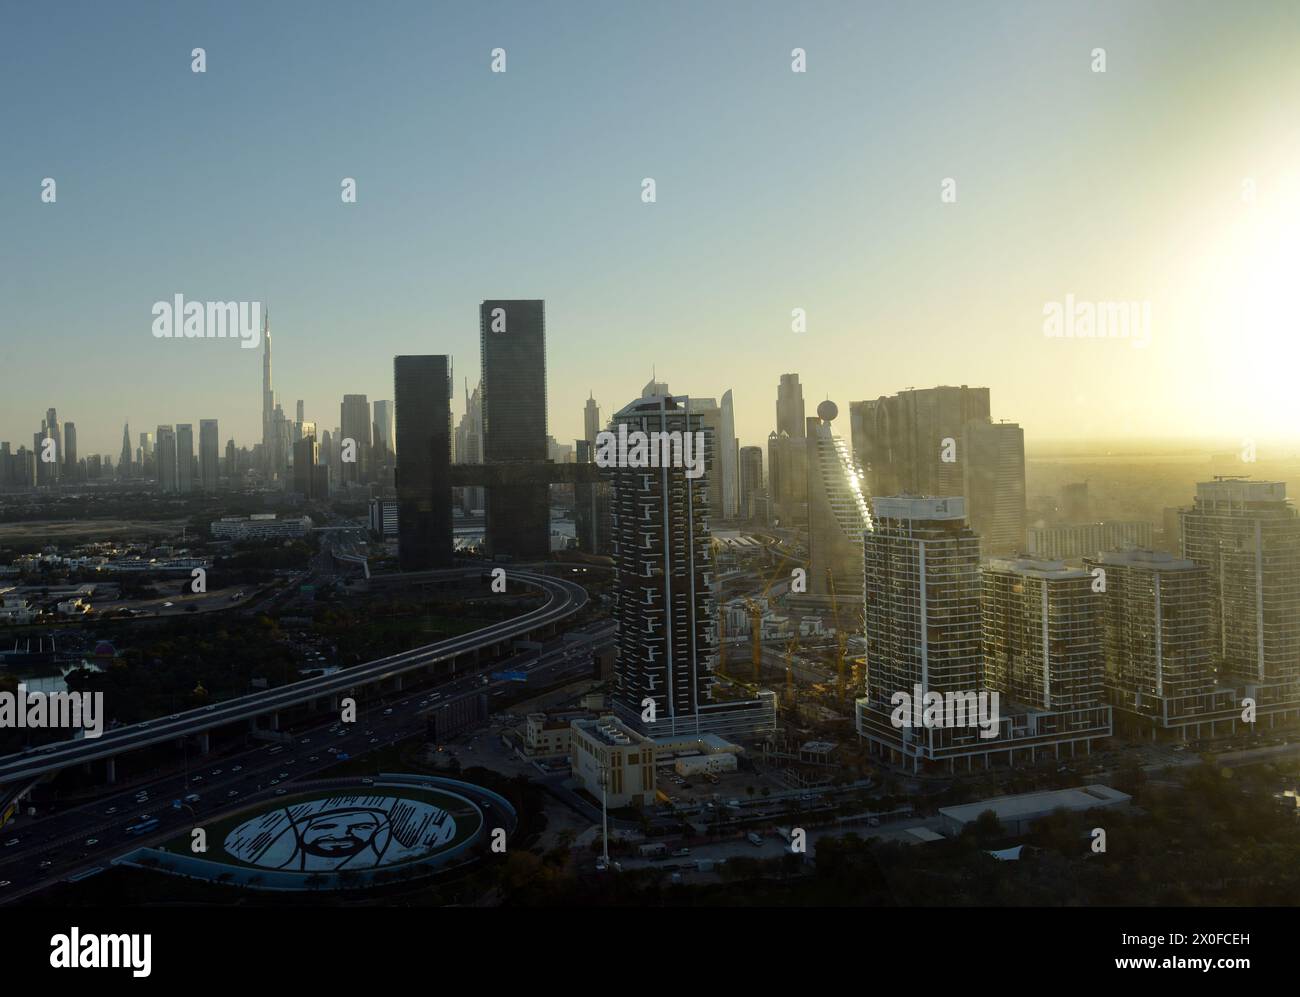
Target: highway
x=64, y=842
x=564, y=598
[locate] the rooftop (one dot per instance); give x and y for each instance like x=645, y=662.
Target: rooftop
x=1025, y=806
x=918, y=507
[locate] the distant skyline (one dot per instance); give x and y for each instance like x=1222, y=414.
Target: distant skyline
x=775, y=191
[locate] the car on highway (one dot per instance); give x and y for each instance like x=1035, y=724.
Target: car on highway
x=275, y=782
x=4, y=883
x=314, y=758
x=11, y=842
x=110, y=811
x=232, y=793
x=215, y=772
x=91, y=841
x=192, y=798
x=280, y=792
x=284, y=775
x=237, y=768
x=374, y=740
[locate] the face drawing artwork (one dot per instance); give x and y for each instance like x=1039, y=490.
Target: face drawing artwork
x=341, y=832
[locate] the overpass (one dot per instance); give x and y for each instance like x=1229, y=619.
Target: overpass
x=563, y=599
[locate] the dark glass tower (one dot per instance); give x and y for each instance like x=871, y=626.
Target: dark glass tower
x=422, y=410
x=512, y=340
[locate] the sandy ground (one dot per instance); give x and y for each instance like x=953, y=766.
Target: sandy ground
x=96, y=529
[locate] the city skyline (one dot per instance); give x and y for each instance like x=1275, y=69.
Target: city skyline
x=848, y=224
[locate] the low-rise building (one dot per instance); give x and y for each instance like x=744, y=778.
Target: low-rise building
x=1016, y=813
x=688, y=765
x=549, y=734
x=261, y=526
x=607, y=754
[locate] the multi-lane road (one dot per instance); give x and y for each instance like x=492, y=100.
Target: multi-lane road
x=38, y=851
x=563, y=599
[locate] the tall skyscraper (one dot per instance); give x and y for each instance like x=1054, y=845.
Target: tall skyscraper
x=209, y=454
x=165, y=459
x=994, y=484
x=751, y=484
x=1042, y=634
x=124, y=462
x=790, y=415
x=787, y=455
x=354, y=418
x=663, y=602
x=384, y=446
x=422, y=412
x=268, y=400
x=1156, y=613
x=728, y=458
x=911, y=443
x=70, y=451
x=710, y=413
x=838, y=514
x=469, y=446
x=1247, y=535
x=185, y=457
x=281, y=435
x=306, y=477
x=54, y=431
x=590, y=420
x=512, y=340
x=148, y=461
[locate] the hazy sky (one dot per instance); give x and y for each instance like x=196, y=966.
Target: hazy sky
x=776, y=190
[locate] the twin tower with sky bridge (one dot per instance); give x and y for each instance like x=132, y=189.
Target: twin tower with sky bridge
x=516, y=472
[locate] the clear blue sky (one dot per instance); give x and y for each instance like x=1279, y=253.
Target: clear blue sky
x=775, y=190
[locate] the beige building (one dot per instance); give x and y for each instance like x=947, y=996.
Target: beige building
x=547, y=735
x=606, y=746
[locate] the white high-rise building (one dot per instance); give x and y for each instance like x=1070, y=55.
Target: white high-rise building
x=1247, y=535
x=1156, y=636
x=838, y=514
x=1042, y=634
